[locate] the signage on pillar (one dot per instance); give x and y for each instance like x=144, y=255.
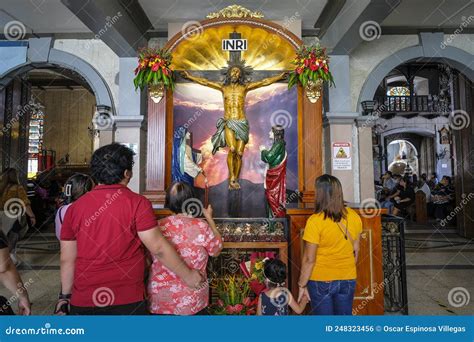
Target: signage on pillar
x=341, y=156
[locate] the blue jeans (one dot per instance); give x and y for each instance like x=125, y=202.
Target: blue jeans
x=331, y=297
x=388, y=205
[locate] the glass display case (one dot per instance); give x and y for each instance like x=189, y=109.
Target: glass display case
x=253, y=229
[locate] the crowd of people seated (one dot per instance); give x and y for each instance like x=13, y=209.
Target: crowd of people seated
x=397, y=193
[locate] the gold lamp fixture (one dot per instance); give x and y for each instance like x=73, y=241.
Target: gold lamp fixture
x=313, y=90
x=156, y=91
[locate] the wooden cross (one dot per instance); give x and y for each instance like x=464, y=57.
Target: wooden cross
x=216, y=75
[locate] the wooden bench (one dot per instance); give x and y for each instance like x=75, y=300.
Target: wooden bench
x=421, y=211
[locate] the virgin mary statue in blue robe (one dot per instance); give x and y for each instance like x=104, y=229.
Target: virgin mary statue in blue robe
x=183, y=165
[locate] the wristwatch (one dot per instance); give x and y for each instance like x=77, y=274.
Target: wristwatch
x=65, y=296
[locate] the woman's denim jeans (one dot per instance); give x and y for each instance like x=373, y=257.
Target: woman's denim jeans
x=331, y=297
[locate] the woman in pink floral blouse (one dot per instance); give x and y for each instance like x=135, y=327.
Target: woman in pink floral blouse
x=195, y=240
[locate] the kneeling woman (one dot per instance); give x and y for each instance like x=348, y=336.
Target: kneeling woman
x=195, y=240
x=328, y=272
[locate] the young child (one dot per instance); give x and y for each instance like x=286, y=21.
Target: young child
x=277, y=298
x=76, y=186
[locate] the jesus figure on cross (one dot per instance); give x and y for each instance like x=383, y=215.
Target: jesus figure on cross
x=233, y=129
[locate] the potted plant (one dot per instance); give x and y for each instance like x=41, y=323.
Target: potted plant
x=153, y=71
x=233, y=296
x=311, y=70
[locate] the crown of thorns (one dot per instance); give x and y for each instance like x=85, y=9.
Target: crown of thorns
x=244, y=69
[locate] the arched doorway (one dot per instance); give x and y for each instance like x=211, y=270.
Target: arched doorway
x=63, y=68
x=52, y=114
x=402, y=157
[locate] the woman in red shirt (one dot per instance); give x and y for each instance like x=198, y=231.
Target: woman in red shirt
x=195, y=240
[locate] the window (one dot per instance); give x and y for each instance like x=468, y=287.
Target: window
x=398, y=91
x=35, y=136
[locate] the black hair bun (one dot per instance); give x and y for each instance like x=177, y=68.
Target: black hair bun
x=275, y=271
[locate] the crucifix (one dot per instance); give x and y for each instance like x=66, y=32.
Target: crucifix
x=233, y=128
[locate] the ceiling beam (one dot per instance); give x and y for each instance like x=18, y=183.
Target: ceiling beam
x=327, y=16
x=121, y=24
x=344, y=34
x=403, y=30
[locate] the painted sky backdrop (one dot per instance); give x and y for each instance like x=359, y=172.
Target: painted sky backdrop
x=198, y=108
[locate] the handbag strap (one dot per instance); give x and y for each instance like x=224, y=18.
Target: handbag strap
x=348, y=234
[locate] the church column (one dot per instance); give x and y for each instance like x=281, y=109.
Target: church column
x=341, y=131
x=129, y=127
x=130, y=132
x=106, y=137
x=366, y=157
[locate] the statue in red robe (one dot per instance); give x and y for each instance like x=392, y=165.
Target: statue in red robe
x=275, y=178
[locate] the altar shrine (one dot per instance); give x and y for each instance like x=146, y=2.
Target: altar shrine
x=250, y=146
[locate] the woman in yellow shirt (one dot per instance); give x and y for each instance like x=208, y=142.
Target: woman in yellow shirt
x=328, y=270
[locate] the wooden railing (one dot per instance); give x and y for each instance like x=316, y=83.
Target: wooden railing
x=420, y=103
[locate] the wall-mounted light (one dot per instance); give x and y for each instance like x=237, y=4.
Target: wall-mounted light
x=368, y=107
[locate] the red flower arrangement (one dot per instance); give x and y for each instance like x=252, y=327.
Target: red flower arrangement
x=253, y=270
x=311, y=64
x=234, y=297
x=153, y=68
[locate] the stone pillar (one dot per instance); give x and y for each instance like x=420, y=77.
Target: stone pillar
x=129, y=125
x=339, y=128
x=366, y=157
x=106, y=137
x=129, y=131
x=339, y=122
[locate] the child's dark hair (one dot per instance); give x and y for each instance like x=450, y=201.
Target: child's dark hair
x=77, y=185
x=275, y=271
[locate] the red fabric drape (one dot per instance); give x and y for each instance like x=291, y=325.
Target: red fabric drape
x=275, y=191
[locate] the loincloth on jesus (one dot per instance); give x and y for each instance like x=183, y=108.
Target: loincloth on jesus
x=239, y=127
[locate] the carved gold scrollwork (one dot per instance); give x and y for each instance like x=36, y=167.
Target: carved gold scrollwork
x=235, y=11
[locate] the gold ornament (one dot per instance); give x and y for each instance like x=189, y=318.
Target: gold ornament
x=313, y=90
x=156, y=91
x=235, y=11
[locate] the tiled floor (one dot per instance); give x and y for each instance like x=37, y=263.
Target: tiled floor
x=438, y=261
